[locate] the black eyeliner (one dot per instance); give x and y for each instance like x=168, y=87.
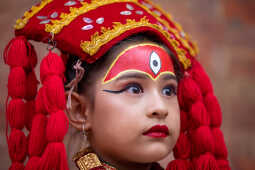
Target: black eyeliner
x=115, y=92
x=120, y=91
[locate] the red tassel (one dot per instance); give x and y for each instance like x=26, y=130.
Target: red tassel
x=200, y=76
x=16, y=113
x=39, y=104
x=17, y=83
x=17, y=166
x=32, y=56
x=52, y=64
x=178, y=164
x=220, y=147
x=223, y=165
x=54, y=157
x=15, y=53
x=30, y=112
x=31, y=86
x=188, y=92
x=54, y=94
x=37, y=140
x=202, y=140
x=17, y=145
x=33, y=163
x=184, y=121
x=205, y=162
x=198, y=115
x=182, y=148
x=213, y=109
x=57, y=127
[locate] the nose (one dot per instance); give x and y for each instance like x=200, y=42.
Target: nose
x=157, y=107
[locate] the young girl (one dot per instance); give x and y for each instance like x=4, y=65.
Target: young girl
x=133, y=87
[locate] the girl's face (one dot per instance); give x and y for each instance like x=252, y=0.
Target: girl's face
x=136, y=117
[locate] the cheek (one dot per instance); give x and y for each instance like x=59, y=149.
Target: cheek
x=174, y=120
x=113, y=117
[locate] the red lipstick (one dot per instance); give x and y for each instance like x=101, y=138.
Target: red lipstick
x=157, y=131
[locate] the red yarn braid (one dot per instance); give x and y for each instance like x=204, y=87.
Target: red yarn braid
x=201, y=144
x=20, y=55
x=52, y=100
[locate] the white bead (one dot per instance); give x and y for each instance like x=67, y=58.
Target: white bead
x=45, y=21
x=70, y=3
x=54, y=15
x=147, y=5
x=41, y=17
x=87, y=27
x=157, y=12
x=125, y=12
x=87, y=20
x=130, y=7
x=100, y=20
x=139, y=12
x=183, y=34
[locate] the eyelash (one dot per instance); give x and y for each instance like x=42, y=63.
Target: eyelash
x=133, y=85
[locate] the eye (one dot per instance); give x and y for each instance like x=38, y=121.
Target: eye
x=169, y=90
x=134, y=88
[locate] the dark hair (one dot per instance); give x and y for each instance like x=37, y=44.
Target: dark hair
x=91, y=70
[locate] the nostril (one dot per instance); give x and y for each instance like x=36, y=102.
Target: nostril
x=154, y=113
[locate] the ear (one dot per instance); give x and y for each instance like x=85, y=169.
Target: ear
x=79, y=113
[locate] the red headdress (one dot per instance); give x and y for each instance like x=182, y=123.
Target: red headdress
x=88, y=29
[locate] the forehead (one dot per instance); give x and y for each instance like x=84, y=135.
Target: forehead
x=146, y=58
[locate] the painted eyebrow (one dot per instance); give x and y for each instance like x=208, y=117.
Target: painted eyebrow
x=133, y=75
x=169, y=77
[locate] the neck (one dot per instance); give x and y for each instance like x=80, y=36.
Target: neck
x=129, y=165
x=121, y=165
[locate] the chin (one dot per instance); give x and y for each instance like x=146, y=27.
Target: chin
x=154, y=154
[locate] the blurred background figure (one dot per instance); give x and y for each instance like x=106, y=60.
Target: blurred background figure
x=225, y=34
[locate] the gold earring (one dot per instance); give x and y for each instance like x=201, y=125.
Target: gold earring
x=86, y=160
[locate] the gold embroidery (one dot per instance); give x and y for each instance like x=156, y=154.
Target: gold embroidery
x=66, y=19
x=88, y=162
x=21, y=23
x=184, y=40
x=86, y=159
x=97, y=40
x=94, y=45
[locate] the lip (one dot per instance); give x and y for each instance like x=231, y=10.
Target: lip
x=157, y=131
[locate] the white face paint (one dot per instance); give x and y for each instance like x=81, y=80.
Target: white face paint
x=155, y=63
